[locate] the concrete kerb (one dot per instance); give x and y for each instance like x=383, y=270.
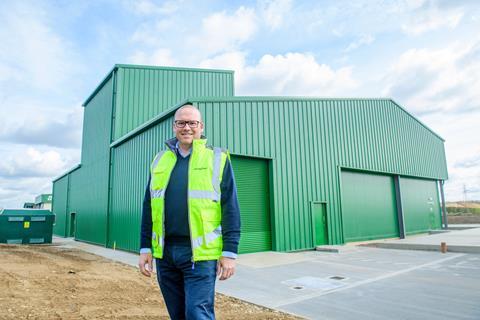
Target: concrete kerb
x=462, y=226
x=458, y=238
x=462, y=239
x=423, y=247
x=337, y=248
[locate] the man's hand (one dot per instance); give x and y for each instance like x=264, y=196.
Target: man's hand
x=225, y=268
x=145, y=263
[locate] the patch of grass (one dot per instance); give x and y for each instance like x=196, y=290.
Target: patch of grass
x=463, y=211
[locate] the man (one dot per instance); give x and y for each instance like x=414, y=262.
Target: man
x=190, y=219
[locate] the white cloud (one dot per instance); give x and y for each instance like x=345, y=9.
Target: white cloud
x=461, y=133
x=34, y=123
x=151, y=33
x=160, y=57
x=441, y=87
x=31, y=162
x=273, y=12
x=234, y=60
x=31, y=50
x=362, y=40
x=147, y=7
x=289, y=74
x=430, y=19
x=27, y=171
x=399, y=7
x=222, y=32
x=14, y=193
x=429, y=80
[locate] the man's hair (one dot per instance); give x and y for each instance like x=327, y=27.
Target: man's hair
x=188, y=105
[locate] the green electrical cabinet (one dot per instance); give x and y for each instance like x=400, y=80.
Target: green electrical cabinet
x=27, y=226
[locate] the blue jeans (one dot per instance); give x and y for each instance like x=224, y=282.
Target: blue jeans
x=188, y=291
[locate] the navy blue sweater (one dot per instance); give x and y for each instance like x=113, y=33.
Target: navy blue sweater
x=176, y=209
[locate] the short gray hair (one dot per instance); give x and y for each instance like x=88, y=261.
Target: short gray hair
x=188, y=105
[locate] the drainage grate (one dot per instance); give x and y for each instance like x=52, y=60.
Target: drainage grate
x=337, y=278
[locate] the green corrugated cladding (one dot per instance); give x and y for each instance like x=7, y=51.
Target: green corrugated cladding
x=130, y=171
x=87, y=193
x=136, y=94
x=420, y=203
x=60, y=205
x=308, y=142
x=89, y=185
x=145, y=92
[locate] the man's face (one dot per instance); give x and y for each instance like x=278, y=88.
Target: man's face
x=186, y=134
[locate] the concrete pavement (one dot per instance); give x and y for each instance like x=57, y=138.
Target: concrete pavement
x=361, y=283
x=356, y=282
x=457, y=239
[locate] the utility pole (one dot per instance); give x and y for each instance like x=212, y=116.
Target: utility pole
x=465, y=198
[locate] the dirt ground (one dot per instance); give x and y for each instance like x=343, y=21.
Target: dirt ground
x=463, y=219
x=50, y=282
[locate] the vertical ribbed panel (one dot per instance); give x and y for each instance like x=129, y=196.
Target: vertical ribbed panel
x=421, y=205
x=130, y=170
x=60, y=205
x=251, y=177
x=308, y=141
x=368, y=206
x=89, y=184
x=144, y=92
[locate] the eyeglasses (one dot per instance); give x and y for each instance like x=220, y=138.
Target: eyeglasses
x=182, y=123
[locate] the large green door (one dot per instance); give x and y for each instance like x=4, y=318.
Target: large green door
x=319, y=214
x=421, y=205
x=368, y=206
x=251, y=176
x=72, y=224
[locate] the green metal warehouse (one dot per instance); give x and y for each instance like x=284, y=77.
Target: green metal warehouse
x=309, y=171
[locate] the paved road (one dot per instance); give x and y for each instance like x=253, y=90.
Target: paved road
x=372, y=283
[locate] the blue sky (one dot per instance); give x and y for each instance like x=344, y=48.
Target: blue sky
x=423, y=54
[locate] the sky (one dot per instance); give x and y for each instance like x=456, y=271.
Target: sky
x=423, y=54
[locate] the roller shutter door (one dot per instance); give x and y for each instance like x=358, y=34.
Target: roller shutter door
x=421, y=205
x=368, y=206
x=251, y=176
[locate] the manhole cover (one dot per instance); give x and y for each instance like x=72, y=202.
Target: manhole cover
x=313, y=283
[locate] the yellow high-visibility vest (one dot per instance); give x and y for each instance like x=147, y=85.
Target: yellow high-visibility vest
x=204, y=208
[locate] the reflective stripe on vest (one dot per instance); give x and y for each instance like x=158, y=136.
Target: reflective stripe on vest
x=201, y=194
x=209, y=237
x=157, y=158
x=156, y=239
x=157, y=193
x=217, y=158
